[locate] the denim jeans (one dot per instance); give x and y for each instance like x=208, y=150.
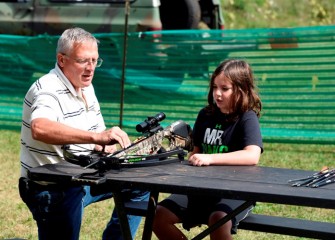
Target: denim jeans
x=58, y=213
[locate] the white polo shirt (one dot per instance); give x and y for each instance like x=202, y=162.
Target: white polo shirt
x=53, y=97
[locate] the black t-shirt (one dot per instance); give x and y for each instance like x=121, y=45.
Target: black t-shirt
x=212, y=133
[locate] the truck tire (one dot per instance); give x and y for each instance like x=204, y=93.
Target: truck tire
x=179, y=14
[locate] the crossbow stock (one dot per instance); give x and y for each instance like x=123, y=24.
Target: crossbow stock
x=149, y=149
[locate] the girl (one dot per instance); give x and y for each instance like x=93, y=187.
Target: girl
x=226, y=132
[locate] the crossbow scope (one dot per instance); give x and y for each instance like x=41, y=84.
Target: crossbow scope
x=151, y=124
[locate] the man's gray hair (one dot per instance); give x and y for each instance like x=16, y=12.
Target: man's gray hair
x=72, y=36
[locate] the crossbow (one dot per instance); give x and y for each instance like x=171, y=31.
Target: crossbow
x=149, y=149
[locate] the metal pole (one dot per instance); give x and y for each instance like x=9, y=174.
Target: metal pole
x=124, y=60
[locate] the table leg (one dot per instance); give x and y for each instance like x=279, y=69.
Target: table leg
x=122, y=214
x=223, y=220
x=150, y=215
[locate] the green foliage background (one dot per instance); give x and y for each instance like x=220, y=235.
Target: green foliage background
x=240, y=14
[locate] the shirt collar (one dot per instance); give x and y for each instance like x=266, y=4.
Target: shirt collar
x=64, y=79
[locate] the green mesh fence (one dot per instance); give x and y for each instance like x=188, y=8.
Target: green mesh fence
x=169, y=72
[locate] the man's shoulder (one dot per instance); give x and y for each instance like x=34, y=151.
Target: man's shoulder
x=47, y=85
x=48, y=82
x=49, y=78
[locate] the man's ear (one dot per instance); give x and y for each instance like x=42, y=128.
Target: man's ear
x=60, y=59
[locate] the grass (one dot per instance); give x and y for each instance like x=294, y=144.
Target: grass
x=16, y=220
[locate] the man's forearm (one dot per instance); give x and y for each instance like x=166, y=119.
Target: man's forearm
x=51, y=132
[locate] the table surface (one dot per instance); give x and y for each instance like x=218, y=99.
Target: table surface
x=260, y=184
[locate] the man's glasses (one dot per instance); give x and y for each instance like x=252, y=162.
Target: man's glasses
x=85, y=62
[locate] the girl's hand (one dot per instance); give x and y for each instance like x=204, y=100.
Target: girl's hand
x=199, y=159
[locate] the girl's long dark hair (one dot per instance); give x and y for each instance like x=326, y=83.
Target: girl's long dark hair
x=245, y=95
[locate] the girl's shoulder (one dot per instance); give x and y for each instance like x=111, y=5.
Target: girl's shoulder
x=250, y=113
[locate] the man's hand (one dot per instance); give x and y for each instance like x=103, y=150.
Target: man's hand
x=115, y=135
x=106, y=148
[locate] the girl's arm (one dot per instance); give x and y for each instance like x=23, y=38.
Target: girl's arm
x=250, y=155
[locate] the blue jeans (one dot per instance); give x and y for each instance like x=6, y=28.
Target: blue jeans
x=58, y=212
